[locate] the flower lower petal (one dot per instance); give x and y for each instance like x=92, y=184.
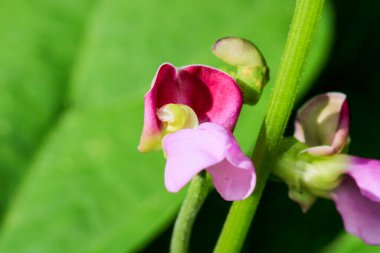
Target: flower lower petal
x=234, y=178
x=366, y=173
x=189, y=151
x=361, y=215
x=210, y=147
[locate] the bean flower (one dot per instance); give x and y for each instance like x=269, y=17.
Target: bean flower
x=191, y=112
x=313, y=164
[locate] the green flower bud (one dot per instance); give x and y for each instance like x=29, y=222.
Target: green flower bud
x=236, y=51
x=252, y=73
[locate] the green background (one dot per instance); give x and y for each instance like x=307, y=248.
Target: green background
x=72, y=79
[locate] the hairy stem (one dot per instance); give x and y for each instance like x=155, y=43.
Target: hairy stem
x=306, y=16
x=194, y=199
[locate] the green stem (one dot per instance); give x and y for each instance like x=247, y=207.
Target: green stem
x=306, y=16
x=194, y=199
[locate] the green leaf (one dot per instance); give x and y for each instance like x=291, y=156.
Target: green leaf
x=38, y=45
x=88, y=189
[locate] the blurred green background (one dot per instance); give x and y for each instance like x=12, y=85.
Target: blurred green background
x=72, y=79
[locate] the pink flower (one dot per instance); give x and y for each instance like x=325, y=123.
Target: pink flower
x=358, y=199
x=179, y=100
x=212, y=94
x=323, y=124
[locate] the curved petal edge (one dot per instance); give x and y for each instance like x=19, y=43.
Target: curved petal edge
x=324, y=121
x=361, y=215
x=366, y=174
x=213, y=148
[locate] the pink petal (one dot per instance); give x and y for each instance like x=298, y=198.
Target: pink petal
x=212, y=94
x=324, y=121
x=361, y=215
x=366, y=173
x=213, y=148
x=234, y=177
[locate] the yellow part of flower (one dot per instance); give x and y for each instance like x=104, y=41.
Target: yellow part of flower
x=175, y=117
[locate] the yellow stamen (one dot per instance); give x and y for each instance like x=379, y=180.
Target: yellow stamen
x=176, y=117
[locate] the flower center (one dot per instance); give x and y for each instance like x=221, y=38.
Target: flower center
x=175, y=117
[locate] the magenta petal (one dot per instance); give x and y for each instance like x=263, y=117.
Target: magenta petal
x=151, y=133
x=213, y=148
x=212, y=94
x=324, y=121
x=361, y=215
x=366, y=173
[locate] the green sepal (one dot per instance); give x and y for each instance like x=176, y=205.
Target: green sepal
x=308, y=176
x=251, y=80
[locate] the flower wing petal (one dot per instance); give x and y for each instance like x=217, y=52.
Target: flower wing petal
x=361, y=215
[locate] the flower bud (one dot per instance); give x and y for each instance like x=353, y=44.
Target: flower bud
x=252, y=73
x=237, y=52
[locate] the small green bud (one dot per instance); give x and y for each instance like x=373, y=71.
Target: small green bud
x=237, y=51
x=308, y=176
x=252, y=73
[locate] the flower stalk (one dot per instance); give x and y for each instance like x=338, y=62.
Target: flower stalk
x=194, y=199
x=306, y=16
